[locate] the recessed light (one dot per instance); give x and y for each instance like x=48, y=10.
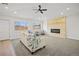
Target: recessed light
x=68, y=8
x=61, y=13
x=15, y=12
x=6, y=7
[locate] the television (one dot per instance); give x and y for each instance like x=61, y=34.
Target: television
x=55, y=30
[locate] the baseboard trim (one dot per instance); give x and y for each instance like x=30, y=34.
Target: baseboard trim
x=72, y=39
x=5, y=39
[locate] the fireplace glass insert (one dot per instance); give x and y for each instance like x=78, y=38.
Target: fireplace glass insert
x=55, y=30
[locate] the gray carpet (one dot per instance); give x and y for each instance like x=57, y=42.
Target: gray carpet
x=54, y=47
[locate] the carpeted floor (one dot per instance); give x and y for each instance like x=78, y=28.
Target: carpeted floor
x=54, y=47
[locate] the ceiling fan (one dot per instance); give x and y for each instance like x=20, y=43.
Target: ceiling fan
x=40, y=9
x=4, y=3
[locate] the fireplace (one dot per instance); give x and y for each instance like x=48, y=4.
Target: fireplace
x=55, y=30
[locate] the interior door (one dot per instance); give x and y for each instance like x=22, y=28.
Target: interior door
x=4, y=30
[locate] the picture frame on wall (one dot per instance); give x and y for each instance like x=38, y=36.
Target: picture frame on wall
x=21, y=25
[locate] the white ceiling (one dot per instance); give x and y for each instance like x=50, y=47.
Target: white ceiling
x=25, y=10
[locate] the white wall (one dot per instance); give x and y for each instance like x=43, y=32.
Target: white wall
x=4, y=29
x=13, y=34
x=45, y=26
x=72, y=27
x=16, y=34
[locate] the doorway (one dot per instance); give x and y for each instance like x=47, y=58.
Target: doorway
x=4, y=30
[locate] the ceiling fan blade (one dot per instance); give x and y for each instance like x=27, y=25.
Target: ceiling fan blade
x=44, y=9
x=5, y=3
x=41, y=12
x=39, y=6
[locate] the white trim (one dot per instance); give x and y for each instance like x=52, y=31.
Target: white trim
x=9, y=26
